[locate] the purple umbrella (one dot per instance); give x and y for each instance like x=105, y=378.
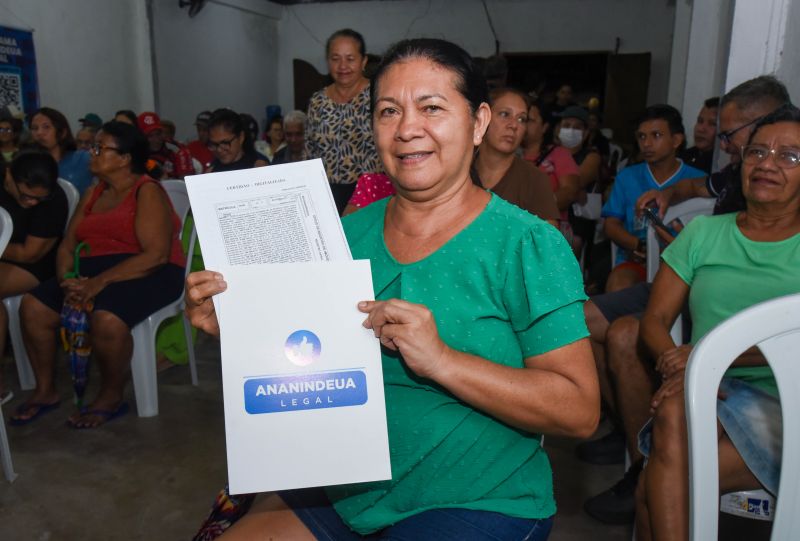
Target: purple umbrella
x=75, y=333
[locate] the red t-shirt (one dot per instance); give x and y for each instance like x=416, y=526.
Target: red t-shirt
x=200, y=152
x=175, y=160
x=114, y=231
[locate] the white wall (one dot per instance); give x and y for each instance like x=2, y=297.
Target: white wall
x=521, y=25
x=91, y=55
x=226, y=56
x=789, y=71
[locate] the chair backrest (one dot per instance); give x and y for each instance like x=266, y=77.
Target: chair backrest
x=73, y=196
x=685, y=212
x=773, y=326
x=176, y=190
x=6, y=228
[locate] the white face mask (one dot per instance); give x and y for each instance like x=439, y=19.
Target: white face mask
x=570, y=137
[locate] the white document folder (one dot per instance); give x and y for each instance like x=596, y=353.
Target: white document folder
x=302, y=378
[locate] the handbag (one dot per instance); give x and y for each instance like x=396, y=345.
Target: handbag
x=591, y=209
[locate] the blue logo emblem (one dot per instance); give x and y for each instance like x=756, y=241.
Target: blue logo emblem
x=303, y=348
x=305, y=392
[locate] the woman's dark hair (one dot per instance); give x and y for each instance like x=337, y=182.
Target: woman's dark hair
x=35, y=169
x=470, y=82
x=66, y=141
x=127, y=113
x=347, y=33
x=546, y=112
x=250, y=126
x=232, y=122
x=129, y=140
x=784, y=113
x=497, y=93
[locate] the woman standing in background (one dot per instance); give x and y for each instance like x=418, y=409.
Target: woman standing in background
x=338, y=128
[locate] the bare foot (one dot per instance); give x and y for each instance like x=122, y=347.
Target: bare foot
x=94, y=416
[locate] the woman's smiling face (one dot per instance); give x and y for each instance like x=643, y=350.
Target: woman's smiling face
x=424, y=130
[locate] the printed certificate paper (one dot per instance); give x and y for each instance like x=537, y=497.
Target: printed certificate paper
x=276, y=214
x=302, y=379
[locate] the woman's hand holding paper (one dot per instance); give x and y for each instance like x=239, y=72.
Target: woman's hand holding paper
x=410, y=329
x=200, y=287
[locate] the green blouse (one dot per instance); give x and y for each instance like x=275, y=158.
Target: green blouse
x=505, y=288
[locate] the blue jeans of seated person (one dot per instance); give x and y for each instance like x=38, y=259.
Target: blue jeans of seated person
x=753, y=421
x=314, y=509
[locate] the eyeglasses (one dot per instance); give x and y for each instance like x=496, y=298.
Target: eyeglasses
x=725, y=136
x=6, y=130
x=784, y=157
x=224, y=145
x=32, y=198
x=97, y=148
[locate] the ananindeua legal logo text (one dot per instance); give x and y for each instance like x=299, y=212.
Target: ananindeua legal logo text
x=306, y=390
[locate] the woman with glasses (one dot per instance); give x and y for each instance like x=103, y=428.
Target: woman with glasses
x=51, y=131
x=231, y=144
x=10, y=129
x=38, y=207
x=723, y=264
x=132, y=266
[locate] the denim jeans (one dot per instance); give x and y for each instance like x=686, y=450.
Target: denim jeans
x=452, y=524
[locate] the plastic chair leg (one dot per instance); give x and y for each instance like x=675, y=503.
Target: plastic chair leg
x=5, y=451
x=27, y=379
x=187, y=333
x=143, y=369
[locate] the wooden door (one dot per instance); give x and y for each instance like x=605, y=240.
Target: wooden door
x=627, y=80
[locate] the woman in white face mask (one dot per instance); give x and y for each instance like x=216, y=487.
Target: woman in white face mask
x=572, y=134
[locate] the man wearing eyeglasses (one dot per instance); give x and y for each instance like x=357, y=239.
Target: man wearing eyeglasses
x=740, y=109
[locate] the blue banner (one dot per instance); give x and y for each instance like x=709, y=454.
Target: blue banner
x=19, y=86
x=305, y=392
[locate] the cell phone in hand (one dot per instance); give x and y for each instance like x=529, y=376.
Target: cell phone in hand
x=651, y=214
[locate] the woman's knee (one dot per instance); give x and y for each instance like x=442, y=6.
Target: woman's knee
x=35, y=315
x=622, y=337
x=107, y=327
x=669, y=426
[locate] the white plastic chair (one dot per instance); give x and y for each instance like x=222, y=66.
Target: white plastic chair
x=27, y=380
x=6, y=228
x=773, y=326
x=685, y=212
x=143, y=363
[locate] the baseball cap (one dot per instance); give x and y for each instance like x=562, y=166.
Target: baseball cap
x=91, y=120
x=573, y=111
x=149, y=122
x=203, y=118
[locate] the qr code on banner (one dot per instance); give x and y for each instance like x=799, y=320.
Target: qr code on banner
x=11, y=89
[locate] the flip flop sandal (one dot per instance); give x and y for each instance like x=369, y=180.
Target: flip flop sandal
x=38, y=409
x=105, y=415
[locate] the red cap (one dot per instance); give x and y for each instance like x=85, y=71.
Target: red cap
x=149, y=122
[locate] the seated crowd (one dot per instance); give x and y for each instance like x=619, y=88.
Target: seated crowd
x=427, y=163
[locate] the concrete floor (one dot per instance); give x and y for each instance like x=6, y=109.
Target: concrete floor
x=156, y=478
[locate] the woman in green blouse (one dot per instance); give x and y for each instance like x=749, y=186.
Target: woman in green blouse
x=479, y=312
